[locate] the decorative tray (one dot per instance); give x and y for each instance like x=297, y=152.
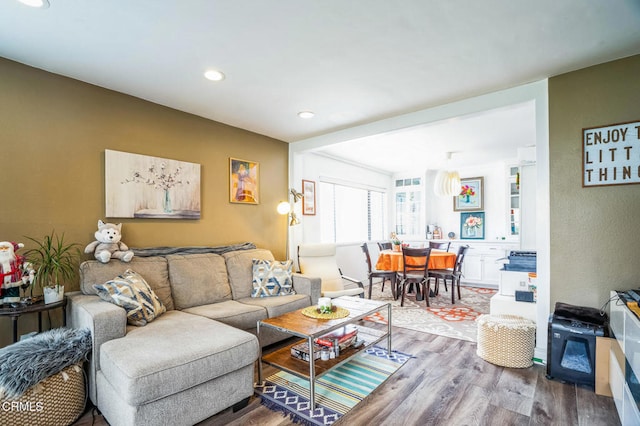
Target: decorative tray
x=314, y=312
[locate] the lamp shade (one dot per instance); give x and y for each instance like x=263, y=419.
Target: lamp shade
x=447, y=184
x=283, y=207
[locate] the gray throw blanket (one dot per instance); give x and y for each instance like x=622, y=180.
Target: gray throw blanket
x=163, y=251
x=28, y=362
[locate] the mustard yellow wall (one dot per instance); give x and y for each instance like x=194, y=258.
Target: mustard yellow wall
x=595, y=237
x=53, y=134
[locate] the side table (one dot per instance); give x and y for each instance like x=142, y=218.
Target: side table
x=39, y=307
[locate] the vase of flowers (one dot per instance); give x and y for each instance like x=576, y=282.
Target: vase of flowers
x=472, y=224
x=160, y=178
x=466, y=193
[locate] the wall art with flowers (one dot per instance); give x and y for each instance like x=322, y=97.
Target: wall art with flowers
x=141, y=186
x=471, y=195
x=472, y=226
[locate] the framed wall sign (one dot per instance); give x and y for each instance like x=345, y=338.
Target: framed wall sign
x=471, y=195
x=472, y=226
x=611, y=155
x=309, y=197
x=244, y=181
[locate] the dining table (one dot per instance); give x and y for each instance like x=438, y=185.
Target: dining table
x=390, y=260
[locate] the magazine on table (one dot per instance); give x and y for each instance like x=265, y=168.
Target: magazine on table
x=345, y=336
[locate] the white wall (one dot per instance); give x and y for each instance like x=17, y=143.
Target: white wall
x=315, y=167
x=440, y=209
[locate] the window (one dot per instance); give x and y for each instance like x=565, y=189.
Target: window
x=351, y=213
x=408, y=194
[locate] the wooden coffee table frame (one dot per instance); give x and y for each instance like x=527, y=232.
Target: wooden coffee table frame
x=297, y=324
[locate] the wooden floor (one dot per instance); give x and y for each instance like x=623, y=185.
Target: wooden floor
x=448, y=384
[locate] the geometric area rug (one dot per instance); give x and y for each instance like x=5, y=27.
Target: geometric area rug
x=336, y=392
x=443, y=318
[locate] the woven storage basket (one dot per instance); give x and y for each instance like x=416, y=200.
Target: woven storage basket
x=57, y=400
x=506, y=340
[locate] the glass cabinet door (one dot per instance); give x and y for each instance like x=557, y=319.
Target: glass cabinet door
x=514, y=201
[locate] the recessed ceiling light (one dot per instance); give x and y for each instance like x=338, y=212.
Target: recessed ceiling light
x=306, y=114
x=41, y=4
x=214, y=75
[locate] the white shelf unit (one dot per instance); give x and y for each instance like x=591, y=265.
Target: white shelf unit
x=624, y=361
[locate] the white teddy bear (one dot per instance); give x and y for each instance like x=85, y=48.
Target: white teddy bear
x=108, y=244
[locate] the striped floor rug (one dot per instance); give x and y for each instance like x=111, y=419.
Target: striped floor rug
x=337, y=392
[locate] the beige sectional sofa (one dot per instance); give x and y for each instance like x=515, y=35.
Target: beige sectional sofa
x=192, y=361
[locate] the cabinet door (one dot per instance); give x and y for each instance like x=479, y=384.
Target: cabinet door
x=491, y=268
x=472, y=267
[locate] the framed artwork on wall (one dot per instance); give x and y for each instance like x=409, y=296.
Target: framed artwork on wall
x=472, y=226
x=145, y=187
x=309, y=197
x=471, y=195
x=244, y=181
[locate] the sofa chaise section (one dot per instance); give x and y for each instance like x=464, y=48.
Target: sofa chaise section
x=176, y=353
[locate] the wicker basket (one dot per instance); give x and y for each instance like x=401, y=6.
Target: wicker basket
x=57, y=400
x=506, y=340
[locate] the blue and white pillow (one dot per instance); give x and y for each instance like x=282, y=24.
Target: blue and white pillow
x=272, y=278
x=131, y=292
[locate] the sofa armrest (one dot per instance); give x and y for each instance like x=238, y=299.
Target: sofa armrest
x=105, y=320
x=303, y=284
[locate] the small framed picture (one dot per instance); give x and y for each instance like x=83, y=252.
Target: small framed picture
x=243, y=181
x=309, y=197
x=471, y=195
x=472, y=226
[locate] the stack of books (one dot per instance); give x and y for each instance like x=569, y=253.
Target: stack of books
x=344, y=336
x=301, y=351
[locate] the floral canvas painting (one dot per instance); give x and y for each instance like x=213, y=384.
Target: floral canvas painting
x=471, y=195
x=141, y=186
x=472, y=226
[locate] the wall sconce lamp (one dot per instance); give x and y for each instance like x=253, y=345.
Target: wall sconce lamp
x=285, y=207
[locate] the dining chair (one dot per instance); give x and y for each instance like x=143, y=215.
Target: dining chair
x=384, y=246
x=374, y=273
x=319, y=260
x=415, y=270
x=453, y=274
x=440, y=246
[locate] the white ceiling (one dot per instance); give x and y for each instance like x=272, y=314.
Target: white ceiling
x=484, y=138
x=351, y=62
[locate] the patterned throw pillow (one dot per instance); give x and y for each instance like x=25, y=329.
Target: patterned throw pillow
x=131, y=292
x=272, y=278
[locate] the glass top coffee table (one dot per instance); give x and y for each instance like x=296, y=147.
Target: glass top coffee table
x=309, y=329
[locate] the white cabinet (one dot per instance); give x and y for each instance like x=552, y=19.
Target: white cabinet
x=483, y=261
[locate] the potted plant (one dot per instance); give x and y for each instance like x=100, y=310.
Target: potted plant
x=54, y=262
x=396, y=243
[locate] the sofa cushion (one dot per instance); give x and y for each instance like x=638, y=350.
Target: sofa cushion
x=233, y=313
x=153, y=269
x=130, y=291
x=240, y=270
x=175, y=352
x=272, y=278
x=276, y=306
x=198, y=279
